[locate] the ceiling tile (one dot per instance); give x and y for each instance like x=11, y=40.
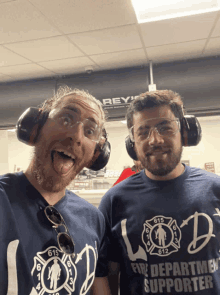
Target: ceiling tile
x=69, y=65
x=46, y=49
x=108, y=40
x=216, y=31
x=120, y=59
x=178, y=30
x=178, y=51
x=8, y=58
x=26, y=71
x=213, y=47
x=20, y=21
x=3, y=1
x=83, y=15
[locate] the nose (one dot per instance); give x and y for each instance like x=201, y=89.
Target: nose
x=76, y=133
x=154, y=137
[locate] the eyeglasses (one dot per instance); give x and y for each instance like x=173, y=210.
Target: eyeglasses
x=69, y=119
x=165, y=127
x=64, y=239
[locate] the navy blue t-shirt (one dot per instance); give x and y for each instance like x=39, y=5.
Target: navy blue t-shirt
x=31, y=261
x=165, y=234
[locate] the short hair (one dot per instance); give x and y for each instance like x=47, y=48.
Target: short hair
x=64, y=91
x=153, y=99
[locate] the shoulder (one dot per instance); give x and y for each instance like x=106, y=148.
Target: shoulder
x=202, y=174
x=11, y=179
x=204, y=178
x=82, y=205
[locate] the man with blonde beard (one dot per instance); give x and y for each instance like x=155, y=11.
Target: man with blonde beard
x=51, y=238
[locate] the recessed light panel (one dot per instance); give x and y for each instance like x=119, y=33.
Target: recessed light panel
x=148, y=11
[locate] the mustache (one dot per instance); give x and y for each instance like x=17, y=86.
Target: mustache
x=156, y=149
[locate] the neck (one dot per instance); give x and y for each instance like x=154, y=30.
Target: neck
x=51, y=197
x=180, y=168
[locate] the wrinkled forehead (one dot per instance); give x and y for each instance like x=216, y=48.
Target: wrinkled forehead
x=89, y=107
x=153, y=115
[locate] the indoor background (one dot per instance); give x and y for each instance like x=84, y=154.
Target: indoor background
x=116, y=53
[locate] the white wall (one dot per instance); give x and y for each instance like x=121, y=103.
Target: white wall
x=19, y=154
x=119, y=157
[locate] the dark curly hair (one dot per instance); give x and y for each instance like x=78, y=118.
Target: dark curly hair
x=153, y=99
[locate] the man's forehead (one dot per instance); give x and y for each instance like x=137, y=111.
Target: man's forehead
x=73, y=98
x=153, y=113
x=83, y=102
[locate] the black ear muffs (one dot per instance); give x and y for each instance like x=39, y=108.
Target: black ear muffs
x=191, y=134
x=191, y=131
x=130, y=148
x=29, y=125
x=103, y=157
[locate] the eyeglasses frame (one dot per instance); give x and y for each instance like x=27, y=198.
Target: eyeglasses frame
x=154, y=128
x=76, y=123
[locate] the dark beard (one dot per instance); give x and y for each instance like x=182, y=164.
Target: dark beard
x=161, y=169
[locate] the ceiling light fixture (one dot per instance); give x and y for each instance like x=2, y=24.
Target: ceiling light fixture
x=148, y=11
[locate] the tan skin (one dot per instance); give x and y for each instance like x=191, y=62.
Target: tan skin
x=55, y=137
x=167, y=144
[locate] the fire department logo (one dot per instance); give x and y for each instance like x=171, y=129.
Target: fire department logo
x=54, y=272
x=161, y=236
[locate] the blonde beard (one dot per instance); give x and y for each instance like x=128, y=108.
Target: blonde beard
x=47, y=182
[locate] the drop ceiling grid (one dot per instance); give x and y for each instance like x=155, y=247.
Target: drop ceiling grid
x=56, y=37
x=83, y=15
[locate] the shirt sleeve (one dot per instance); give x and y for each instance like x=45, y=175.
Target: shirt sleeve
x=109, y=251
x=102, y=263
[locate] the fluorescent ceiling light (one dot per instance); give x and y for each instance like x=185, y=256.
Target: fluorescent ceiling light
x=11, y=130
x=148, y=11
x=124, y=122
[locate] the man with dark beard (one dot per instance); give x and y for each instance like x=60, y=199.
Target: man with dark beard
x=163, y=223
x=51, y=238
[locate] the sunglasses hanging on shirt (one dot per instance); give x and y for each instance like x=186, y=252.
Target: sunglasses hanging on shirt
x=64, y=239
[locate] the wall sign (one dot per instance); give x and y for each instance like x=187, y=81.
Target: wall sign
x=210, y=166
x=116, y=107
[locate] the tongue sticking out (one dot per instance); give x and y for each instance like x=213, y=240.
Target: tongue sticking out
x=61, y=163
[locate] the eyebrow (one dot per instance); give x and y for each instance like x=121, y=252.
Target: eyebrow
x=160, y=123
x=76, y=110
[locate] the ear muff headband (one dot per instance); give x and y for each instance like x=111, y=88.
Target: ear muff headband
x=191, y=131
x=191, y=134
x=29, y=125
x=130, y=148
x=103, y=157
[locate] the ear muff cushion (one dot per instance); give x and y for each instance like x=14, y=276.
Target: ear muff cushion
x=191, y=131
x=103, y=158
x=29, y=125
x=130, y=148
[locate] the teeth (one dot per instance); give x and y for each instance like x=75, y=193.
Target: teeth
x=66, y=153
